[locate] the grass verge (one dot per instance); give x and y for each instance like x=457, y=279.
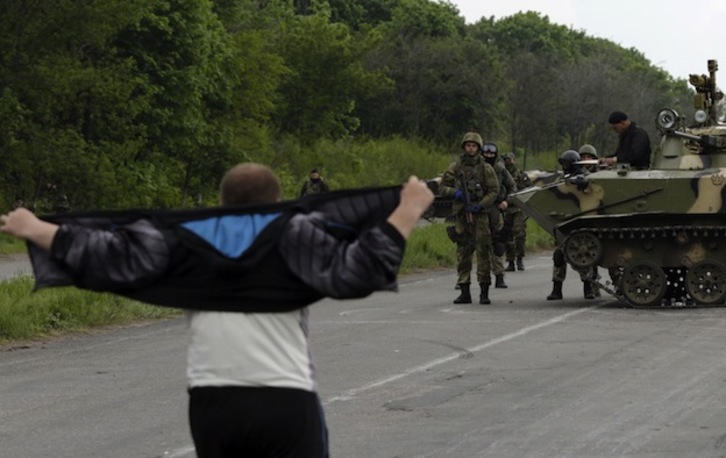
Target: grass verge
x=26, y=315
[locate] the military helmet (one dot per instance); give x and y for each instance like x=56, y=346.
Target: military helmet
x=588, y=149
x=509, y=155
x=472, y=137
x=490, y=147
x=568, y=158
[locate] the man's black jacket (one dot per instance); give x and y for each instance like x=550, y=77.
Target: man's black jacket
x=257, y=258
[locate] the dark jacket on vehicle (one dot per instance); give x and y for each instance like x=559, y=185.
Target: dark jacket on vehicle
x=634, y=148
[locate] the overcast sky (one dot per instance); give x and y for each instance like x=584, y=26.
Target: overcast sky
x=676, y=35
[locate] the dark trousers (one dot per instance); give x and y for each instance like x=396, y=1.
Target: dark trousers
x=257, y=422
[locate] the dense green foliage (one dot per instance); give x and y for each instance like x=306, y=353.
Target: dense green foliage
x=146, y=102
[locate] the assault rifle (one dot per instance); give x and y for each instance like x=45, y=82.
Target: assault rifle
x=467, y=202
x=470, y=233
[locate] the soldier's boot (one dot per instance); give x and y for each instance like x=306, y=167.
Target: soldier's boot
x=510, y=266
x=556, y=293
x=484, y=296
x=587, y=290
x=500, y=282
x=520, y=263
x=465, y=296
x=458, y=286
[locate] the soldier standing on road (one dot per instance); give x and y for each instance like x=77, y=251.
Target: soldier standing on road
x=569, y=160
x=496, y=216
x=589, y=153
x=633, y=143
x=314, y=184
x=515, y=217
x=474, y=186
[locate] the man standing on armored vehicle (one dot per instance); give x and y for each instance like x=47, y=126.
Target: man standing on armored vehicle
x=500, y=232
x=515, y=217
x=474, y=186
x=633, y=144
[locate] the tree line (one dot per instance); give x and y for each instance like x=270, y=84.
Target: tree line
x=144, y=103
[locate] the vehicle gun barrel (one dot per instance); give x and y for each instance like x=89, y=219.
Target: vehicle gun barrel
x=704, y=140
x=694, y=137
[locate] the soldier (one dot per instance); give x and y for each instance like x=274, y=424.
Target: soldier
x=474, y=186
x=500, y=234
x=314, y=184
x=569, y=161
x=589, y=153
x=515, y=217
x=53, y=201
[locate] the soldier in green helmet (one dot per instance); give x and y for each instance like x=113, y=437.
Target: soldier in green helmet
x=474, y=186
x=588, y=155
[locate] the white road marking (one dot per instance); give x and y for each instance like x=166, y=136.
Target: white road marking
x=352, y=393
x=180, y=452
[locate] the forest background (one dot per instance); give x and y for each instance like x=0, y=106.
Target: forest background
x=144, y=103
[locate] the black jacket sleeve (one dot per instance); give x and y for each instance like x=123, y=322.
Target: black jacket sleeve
x=339, y=262
x=111, y=260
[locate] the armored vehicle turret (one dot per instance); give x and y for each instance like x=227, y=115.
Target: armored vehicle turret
x=660, y=233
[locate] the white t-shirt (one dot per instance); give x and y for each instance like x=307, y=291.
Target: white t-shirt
x=250, y=349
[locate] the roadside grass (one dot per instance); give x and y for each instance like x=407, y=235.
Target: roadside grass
x=537, y=238
x=11, y=245
x=27, y=315
x=427, y=248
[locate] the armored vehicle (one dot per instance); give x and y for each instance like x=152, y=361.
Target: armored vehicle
x=660, y=233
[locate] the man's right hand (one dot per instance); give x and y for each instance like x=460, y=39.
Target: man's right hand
x=459, y=195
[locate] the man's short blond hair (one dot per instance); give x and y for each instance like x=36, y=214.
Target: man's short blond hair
x=250, y=183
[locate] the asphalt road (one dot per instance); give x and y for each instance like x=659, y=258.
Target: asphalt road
x=411, y=375
x=11, y=266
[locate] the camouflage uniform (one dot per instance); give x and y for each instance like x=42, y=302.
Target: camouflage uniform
x=559, y=273
x=570, y=165
x=515, y=217
x=506, y=186
x=52, y=201
x=314, y=184
x=60, y=203
x=482, y=185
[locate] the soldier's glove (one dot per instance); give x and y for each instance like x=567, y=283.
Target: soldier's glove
x=459, y=195
x=580, y=181
x=476, y=208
